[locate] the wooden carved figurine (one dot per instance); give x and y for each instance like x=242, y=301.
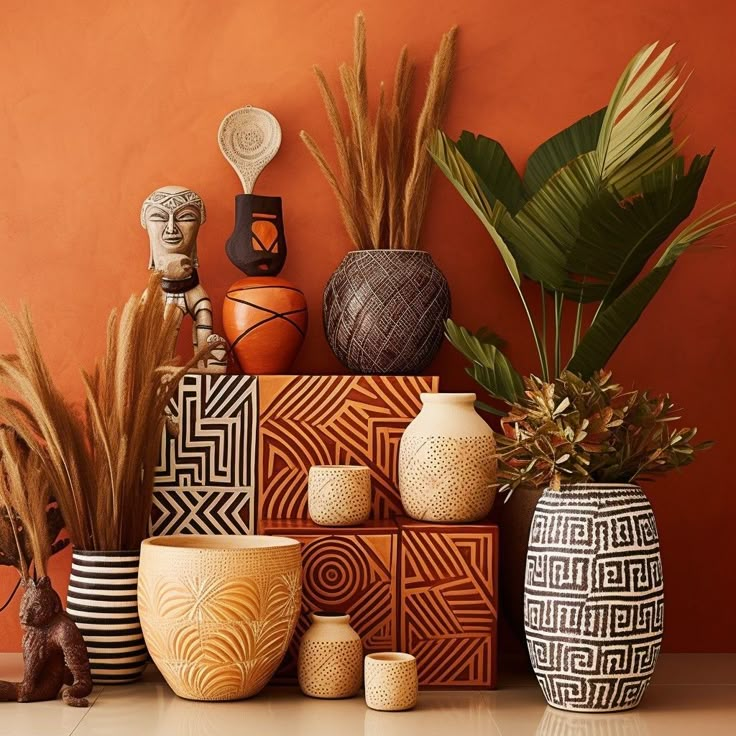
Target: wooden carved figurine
x=54, y=652
x=172, y=216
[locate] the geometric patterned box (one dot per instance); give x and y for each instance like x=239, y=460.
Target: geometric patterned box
x=449, y=602
x=323, y=420
x=245, y=444
x=427, y=589
x=205, y=481
x=349, y=569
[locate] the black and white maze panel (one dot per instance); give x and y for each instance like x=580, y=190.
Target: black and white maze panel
x=203, y=511
x=594, y=608
x=215, y=446
x=206, y=477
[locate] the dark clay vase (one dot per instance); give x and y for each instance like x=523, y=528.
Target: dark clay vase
x=258, y=244
x=384, y=311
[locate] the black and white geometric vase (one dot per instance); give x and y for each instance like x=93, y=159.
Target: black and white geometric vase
x=593, y=598
x=102, y=600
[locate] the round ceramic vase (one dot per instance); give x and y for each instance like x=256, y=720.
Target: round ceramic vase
x=101, y=599
x=593, y=601
x=218, y=612
x=339, y=495
x=330, y=663
x=384, y=311
x=447, y=464
x=391, y=681
x=265, y=321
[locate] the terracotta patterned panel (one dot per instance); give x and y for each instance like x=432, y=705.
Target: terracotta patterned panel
x=448, y=597
x=350, y=570
x=322, y=420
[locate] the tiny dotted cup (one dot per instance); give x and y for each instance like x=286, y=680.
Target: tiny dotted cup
x=339, y=495
x=391, y=681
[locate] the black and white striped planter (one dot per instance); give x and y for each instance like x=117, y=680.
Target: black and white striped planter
x=102, y=600
x=593, y=598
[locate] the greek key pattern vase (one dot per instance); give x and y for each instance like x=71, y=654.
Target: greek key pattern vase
x=384, y=311
x=593, y=601
x=102, y=600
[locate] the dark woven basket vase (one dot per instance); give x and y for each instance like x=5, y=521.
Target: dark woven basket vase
x=384, y=311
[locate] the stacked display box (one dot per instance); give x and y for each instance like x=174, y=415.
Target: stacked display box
x=426, y=589
x=238, y=463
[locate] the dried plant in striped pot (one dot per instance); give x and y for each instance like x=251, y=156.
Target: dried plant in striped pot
x=385, y=305
x=100, y=463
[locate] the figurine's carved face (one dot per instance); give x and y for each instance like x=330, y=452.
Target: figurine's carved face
x=172, y=216
x=39, y=604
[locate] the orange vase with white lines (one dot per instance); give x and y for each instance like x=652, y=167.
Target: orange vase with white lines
x=265, y=321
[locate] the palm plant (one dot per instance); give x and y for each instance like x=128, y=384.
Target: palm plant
x=595, y=203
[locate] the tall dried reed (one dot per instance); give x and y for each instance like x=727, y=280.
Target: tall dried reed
x=383, y=177
x=24, y=496
x=100, y=465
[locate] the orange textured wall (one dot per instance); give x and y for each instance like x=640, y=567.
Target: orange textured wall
x=103, y=102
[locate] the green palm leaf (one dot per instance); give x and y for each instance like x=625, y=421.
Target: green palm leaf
x=489, y=366
x=617, y=238
x=579, y=138
x=494, y=170
x=464, y=179
x=613, y=324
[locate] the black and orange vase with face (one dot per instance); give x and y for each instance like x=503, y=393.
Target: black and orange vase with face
x=264, y=315
x=258, y=244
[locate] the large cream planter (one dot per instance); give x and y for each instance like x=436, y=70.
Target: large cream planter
x=447, y=463
x=218, y=612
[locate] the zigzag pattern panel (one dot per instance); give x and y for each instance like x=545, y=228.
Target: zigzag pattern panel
x=449, y=602
x=202, y=511
x=594, y=606
x=324, y=420
x=350, y=571
x=215, y=445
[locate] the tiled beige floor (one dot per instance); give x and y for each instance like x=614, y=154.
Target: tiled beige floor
x=692, y=695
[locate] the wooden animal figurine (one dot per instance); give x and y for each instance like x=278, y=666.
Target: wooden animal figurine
x=54, y=653
x=172, y=216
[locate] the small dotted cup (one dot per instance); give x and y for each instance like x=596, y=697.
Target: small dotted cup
x=391, y=681
x=339, y=495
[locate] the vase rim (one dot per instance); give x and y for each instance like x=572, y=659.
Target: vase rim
x=107, y=552
x=387, y=250
x=220, y=542
x=390, y=657
x=593, y=485
x=447, y=397
x=330, y=616
x=340, y=467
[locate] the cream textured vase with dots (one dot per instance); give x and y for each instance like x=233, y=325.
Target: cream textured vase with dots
x=447, y=464
x=391, y=681
x=339, y=495
x=330, y=661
